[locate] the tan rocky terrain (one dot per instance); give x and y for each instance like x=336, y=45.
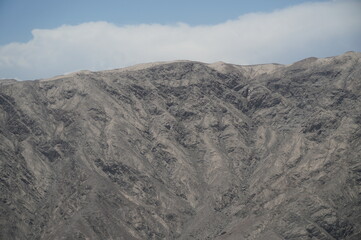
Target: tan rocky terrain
x=184, y=150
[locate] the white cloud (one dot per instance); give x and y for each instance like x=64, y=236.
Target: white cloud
x=284, y=36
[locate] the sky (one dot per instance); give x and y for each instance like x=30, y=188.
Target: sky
x=44, y=38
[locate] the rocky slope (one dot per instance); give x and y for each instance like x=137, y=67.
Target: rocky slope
x=184, y=150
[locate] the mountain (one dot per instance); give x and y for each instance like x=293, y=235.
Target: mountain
x=184, y=150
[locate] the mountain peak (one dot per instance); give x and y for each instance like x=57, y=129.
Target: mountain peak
x=184, y=150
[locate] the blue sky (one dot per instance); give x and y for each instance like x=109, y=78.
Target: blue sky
x=19, y=17
x=43, y=38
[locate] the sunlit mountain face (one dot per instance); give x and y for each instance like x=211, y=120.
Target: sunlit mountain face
x=184, y=150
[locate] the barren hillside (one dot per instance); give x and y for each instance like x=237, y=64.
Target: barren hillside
x=184, y=150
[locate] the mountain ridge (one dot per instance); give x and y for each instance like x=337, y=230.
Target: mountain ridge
x=184, y=150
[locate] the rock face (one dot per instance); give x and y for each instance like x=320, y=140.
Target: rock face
x=184, y=150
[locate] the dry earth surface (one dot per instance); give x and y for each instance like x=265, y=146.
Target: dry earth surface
x=184, y=150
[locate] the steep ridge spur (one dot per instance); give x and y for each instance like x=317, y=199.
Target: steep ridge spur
x=184, y=150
